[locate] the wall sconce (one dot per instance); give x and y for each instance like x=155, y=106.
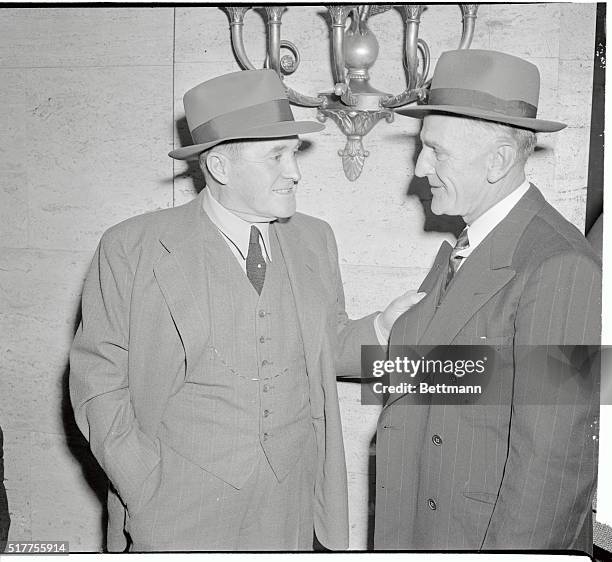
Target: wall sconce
x=353, y=104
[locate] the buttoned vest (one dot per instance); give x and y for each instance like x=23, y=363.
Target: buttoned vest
x=253, y=392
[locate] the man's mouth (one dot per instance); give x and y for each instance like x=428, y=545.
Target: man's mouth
x=284, y=191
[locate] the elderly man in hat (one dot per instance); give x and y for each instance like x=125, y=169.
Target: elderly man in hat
x=516, y=472
x=204, y=369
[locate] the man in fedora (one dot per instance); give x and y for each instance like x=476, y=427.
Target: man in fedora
x=518, y=471
x=204, y=369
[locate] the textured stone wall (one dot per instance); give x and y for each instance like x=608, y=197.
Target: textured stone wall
x=92, y=104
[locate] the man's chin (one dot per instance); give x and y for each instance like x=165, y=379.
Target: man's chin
x=436, y=208
x=286, y=212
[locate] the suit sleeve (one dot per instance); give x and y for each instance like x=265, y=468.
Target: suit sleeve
x=99, y=388
x=546, y=490
x=349, y=335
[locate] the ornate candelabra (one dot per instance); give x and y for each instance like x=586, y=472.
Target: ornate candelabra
x=353, y=103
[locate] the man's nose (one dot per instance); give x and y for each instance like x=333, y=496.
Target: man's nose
x=423, y=165
x=292, y=170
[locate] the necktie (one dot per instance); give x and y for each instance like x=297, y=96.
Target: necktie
x=455, y=259
x=255, y=262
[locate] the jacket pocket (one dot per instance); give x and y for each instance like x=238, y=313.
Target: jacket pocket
x=147, y=492
x=482, y=497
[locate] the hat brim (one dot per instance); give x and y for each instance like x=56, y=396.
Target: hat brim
x=538, y=125
x=272, y=130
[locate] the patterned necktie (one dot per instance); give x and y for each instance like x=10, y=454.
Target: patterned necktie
x=255, y=262
x=455, y=260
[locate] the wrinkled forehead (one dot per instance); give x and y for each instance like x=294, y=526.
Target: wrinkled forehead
x=440, y=128
x=262, y=146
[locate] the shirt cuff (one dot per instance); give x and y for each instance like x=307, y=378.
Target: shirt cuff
x=381, y=333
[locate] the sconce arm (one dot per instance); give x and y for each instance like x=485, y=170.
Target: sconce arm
x=419, y=91
x=236, y=16
x=306, y=101
x=412, y=19
x=468, y=12
x=275, y=14
x=338, y=16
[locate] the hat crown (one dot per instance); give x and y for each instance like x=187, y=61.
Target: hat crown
x=226, y=94
x=243, y=105
x=498, y=74
x=486, y=85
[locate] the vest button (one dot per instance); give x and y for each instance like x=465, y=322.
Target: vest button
x=265, y=436
x=265, y=362
x=262, y=313
x=437, y=440
x=262, y=340
x=432, y=504
x=266, y=413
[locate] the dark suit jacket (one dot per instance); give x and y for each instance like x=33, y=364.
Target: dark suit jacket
x=5, y=519
x=518, y=474
x=145, y=326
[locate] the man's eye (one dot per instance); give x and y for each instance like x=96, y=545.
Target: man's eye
x=439, y=155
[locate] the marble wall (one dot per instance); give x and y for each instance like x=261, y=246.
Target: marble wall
x=91, y=106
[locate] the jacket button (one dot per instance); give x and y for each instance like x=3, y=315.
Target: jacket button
x=437, y=440
x=262, y=340
x=264, y=363
x=262, y=313
x=265, y=436
x=432, y=504
x=266, y=413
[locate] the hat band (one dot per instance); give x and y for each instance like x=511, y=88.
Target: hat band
x=237, y=122
x=481, y=100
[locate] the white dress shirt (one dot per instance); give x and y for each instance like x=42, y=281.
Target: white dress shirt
x=236, y=231
x=485, y=223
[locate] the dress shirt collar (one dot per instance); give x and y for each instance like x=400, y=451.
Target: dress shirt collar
x=486, y=222
x=235, y=229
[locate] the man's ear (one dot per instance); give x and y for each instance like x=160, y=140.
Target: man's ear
x=219, y=166
x=501, y=160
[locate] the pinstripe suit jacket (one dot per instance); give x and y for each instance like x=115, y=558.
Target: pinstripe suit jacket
x=513, y=475
x=144, y=327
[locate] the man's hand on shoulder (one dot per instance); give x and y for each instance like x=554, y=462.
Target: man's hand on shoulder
x=385, y=320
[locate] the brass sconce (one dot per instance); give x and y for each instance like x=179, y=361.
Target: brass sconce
x=353, y=104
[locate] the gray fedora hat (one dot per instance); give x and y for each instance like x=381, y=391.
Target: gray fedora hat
x=488, y=85
x=249, y=104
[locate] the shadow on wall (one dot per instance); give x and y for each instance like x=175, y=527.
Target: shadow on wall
x=79, y=447
x=193, y=167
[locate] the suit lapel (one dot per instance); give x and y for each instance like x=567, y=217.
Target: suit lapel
x=183, y=272
x=432, y=285
x=307, y=287
x=474, y=284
